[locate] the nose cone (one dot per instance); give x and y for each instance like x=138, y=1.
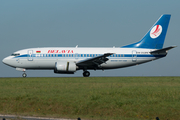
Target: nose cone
x=4, y=61
x=7, y=61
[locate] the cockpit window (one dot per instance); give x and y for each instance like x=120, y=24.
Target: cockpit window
x=15, y=54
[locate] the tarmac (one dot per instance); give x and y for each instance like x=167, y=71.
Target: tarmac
x=17, y=117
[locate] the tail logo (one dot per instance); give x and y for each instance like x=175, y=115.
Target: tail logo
x=156, y=31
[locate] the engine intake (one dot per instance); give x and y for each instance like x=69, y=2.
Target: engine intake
x=65, y=67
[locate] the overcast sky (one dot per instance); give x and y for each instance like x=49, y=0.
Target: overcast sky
x=87, y=23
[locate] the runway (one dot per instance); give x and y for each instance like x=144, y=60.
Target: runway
x=17, y=117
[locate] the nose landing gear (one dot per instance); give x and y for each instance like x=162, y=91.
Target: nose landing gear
x=24, y=75
x=23, y=70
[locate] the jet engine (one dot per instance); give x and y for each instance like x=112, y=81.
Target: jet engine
x=65, y=67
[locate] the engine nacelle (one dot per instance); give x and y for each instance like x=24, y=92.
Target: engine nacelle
x=65, y=67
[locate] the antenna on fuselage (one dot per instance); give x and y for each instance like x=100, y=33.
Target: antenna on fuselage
x=76, y=46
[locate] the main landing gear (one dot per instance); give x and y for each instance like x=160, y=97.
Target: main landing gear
x=24, y=75
x=86, y=73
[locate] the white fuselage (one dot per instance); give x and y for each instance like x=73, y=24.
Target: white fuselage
x=45, y=58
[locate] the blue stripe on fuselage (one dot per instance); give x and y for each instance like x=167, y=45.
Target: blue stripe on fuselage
x=86, y=55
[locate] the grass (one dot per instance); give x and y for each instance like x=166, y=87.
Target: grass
x=127, y=98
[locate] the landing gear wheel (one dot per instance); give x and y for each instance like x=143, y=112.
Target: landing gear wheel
x=86, y=73
x=24, y=75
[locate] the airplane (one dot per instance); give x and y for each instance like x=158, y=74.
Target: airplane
x=67, y=60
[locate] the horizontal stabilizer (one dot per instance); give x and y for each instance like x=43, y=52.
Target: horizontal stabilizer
x=164, y=50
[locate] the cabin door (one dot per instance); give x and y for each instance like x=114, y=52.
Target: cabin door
x=134, y=56
x=30, y=57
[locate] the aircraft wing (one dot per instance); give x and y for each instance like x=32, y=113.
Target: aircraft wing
x=95, y=61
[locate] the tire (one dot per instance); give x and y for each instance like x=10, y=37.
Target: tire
x=24, y=75
x=86, y=73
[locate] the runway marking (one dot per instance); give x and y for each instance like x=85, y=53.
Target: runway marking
x=30, y=118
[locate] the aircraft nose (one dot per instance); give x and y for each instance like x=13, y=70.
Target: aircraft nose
x=8, y=61
x=4, y=60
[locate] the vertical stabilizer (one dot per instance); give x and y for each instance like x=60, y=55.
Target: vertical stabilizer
x=154, y=38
